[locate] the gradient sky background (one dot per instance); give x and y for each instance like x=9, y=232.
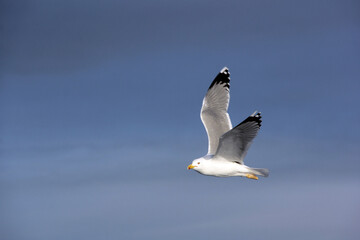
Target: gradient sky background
x=100, y=102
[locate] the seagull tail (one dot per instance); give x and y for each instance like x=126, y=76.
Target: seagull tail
x=260, y=171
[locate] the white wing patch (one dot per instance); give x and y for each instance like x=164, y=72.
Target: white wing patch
x=214, y=114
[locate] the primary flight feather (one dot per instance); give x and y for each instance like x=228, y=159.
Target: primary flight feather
x=227, y=145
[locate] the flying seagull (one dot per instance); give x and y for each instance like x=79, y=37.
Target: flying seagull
x=227, y=145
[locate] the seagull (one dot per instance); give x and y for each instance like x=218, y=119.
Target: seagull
x=227, y=145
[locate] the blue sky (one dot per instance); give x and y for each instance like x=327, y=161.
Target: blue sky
x=100, y=101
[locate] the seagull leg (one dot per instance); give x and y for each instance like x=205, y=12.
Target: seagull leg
x=252, y=176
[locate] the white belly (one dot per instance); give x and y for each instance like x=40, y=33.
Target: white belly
x=223, y=169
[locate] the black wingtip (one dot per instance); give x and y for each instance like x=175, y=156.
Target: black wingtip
x=224, y=70
x=255, y=117
x=221, y=78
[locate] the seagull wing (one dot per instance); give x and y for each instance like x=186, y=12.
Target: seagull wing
x=214, y=114
x=234, y=144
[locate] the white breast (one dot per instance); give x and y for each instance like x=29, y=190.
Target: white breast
x=222, y=168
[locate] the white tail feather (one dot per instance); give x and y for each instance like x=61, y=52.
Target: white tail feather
x=260, y=171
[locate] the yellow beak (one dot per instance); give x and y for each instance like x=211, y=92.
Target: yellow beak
x=190, y=166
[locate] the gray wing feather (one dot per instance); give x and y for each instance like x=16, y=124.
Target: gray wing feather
x=234, y=144
x=213, y=113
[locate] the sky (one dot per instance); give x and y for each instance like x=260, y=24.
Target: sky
x=100, y=105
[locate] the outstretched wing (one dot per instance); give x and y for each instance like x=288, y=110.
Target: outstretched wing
x=235, y=143
x=214, y=114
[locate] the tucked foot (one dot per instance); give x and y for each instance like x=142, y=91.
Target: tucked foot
x=252, y=176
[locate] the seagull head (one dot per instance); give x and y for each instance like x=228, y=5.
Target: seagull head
x=196, y=164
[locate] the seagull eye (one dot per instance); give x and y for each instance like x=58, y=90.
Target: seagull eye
x=198, y=163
